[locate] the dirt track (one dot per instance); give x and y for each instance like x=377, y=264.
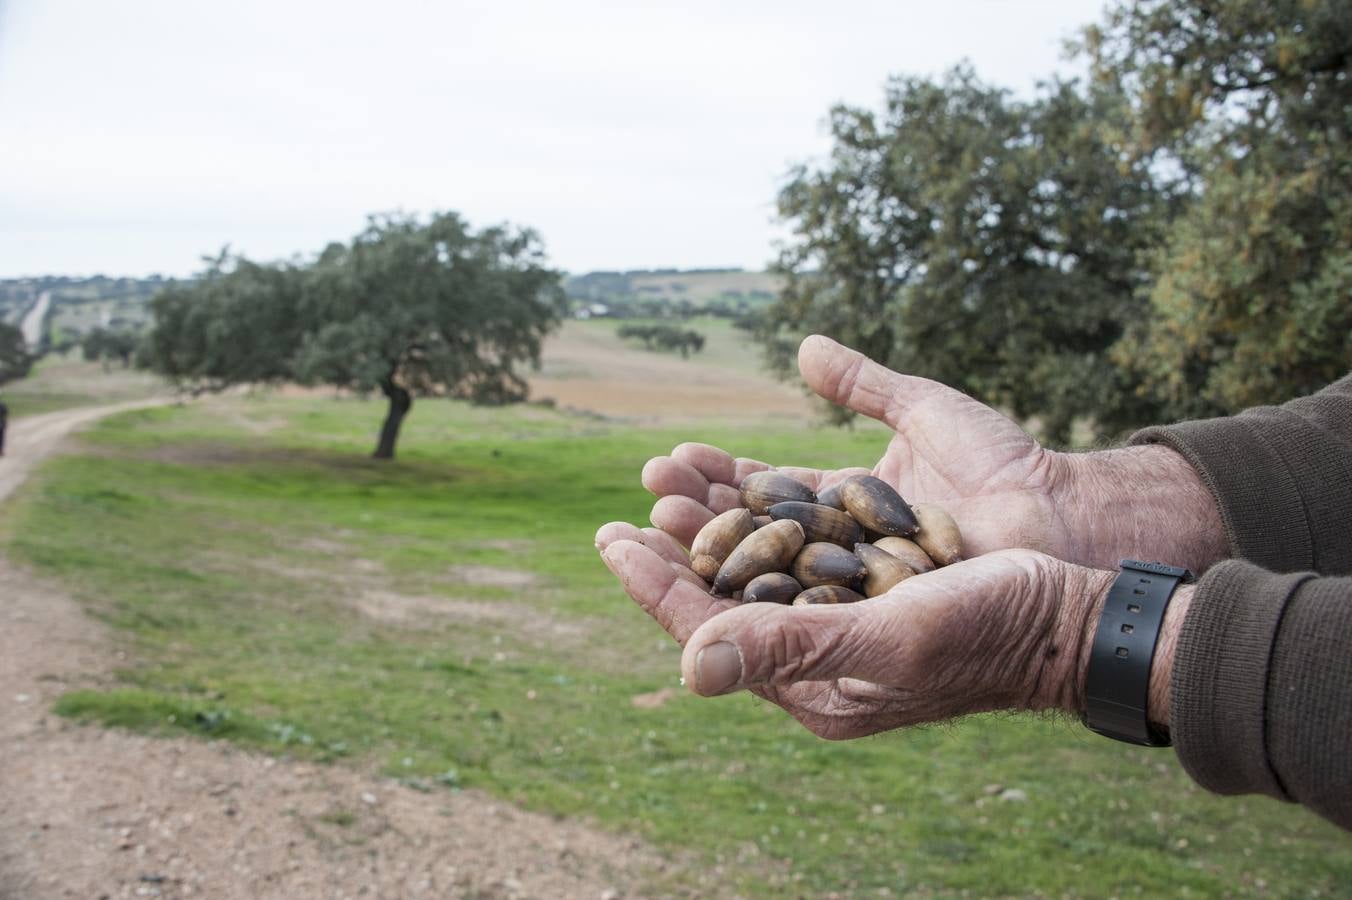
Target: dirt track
x=90, y=813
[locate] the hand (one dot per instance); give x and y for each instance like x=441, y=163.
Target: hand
x=1010, y=630
x=1003, y=488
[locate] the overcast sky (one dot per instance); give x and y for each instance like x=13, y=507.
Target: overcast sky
x=137, y=135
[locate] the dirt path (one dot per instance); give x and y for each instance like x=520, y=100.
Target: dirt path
x=90, y=813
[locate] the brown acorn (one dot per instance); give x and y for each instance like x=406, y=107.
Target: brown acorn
x=820, y=523
x=761, y=521
x=772, y=587
x=907, y=551
x=822, y=563
x=762, y=490
x=827, y=593
x=719, y=537
x=768, y=549
x=831, y=497
x=877, y=506
x=938, y=535
x=885, y=571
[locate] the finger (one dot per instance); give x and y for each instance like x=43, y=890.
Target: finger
x=678, y=605
x=766, y=644
x=716, y=465
x=743, y=467
x=668, y=476
x=831, y=479
x=809, y=477
x=665, y=546
x=722, y=498
x=664, y=475
x=850, y=379
x=654, y=539
x=680, y=517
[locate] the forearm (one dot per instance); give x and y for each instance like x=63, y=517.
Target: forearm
x=1143, y=503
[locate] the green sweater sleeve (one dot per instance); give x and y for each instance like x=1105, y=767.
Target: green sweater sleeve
x=1262, y=683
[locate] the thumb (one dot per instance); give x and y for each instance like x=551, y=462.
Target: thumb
x=850, y=379
x=771, y=644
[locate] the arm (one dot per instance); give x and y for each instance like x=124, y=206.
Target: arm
x=1281, y=478
x=1252, y=680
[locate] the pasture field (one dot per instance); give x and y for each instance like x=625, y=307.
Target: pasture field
x=445, y=619
x=64, y=382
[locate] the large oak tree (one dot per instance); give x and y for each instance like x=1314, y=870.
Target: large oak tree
x=408, y=307
x=1168, y=237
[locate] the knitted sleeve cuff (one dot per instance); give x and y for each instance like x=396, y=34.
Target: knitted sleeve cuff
x=1218, y=692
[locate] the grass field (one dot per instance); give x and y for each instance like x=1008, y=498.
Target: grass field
x=63, y=382
x=445, y=619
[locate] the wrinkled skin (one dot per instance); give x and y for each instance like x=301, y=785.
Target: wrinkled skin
x=992, y=477
x=851, y=670
x=1008, y=628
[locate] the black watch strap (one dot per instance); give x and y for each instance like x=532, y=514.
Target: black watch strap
x=1118, y=681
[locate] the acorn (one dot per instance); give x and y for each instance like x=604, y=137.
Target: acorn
x=768, y=549
x=885, y=571
x=772, y=587
x=718, y=538
x=762, y=490
x=939, y=535
x=831, y=497
x=907, y=551
x=761, y=521
x=822, y=563
x=820, y=523
x=827, y=593
x=877, y=506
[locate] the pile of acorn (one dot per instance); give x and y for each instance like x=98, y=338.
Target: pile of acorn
x=787, y=544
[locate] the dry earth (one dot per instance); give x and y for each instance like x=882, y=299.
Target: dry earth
x=588, y=368
x=91, y=813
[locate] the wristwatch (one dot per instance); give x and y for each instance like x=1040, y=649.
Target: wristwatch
x=1118, y=682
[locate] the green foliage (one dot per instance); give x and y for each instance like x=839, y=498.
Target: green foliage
x=238, y=323
x=664, y=337
x=1167, y=239
x=280, y=593
x=988, y=243
x=409, y=307
x=104, y=345
x=431, y=306
x=15, y=360
x=1253, y=100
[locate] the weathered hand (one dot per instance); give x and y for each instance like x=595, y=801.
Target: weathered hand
x=1009, y=630
x=1003, y=488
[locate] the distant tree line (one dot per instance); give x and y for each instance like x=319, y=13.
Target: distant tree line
x=15, y=360
x=664, y=337
x=407, y=307
x=1170, y=238
x=107, y=345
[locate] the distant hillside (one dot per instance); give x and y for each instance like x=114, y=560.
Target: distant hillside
x=660, y=292
x=79, y=305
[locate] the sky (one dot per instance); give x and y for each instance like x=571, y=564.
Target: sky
x=140, y=135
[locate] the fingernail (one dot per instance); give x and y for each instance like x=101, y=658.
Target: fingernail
x=718, y=668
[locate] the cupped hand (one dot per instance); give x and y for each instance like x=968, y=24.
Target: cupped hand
x=995, y=480
x=1004, y=631
x=1003, y=488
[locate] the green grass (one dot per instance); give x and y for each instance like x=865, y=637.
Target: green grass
x=243, y=545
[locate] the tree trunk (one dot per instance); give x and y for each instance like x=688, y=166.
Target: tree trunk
x=400, y=403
